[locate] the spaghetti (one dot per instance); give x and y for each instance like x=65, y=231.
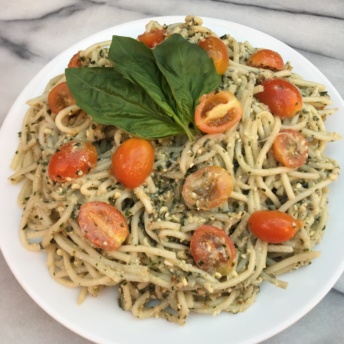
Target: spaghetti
x=153, y=269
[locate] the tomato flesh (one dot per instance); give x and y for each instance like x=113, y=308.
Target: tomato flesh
x=212, y=250
x=273, y=226
x=132, y=162
x=152, y=38
x=60, y=97
x=217, y=112
x=282, y=97
x=217, y=51
x=267, y=59
x=72, y=160
x=207, y=188
x=103, y=225
x=290, y=148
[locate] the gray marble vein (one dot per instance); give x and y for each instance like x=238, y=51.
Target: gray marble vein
x=334, y=8
x=32, y=33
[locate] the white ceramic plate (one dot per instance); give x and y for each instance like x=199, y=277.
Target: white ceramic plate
x=101, y=320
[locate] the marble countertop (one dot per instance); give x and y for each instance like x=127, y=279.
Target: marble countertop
x=32, y=34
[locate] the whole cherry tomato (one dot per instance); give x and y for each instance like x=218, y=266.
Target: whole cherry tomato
x=75, y=61
x=216, y=50
x=207, y=188
x=152, y=38
x=267, y=59
x=60, y=97
x=72, y=160
x=273, y=226
x=103, y=225
x=290, y=148
x=217, y=112
x=212, y=250
x=282, y=97
x=132, y=162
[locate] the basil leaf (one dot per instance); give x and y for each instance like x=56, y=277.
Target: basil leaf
x=136, y=62
x=188, y=70
x=104, y=94
x=150, y=93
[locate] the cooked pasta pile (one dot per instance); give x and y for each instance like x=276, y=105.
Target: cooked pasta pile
x=153, y=269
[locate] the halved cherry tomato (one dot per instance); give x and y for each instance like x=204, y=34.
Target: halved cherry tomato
x=207, y=188
x=152, y=38
x=60, y=97
x=216, y=50
x=273, y=226
x=212, y=250
x=132, y=162
x=290, y=148
x=217, y=112
x=75, y=61
x=267, y=59
x=72, y=160
x=282, y=97
x=103, y=225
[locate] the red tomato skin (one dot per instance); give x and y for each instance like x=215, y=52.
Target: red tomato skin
x=103, y=225
x=132, y=162
x=273, y=226
x=290, y=148
x=267, y=59
x=216, y=50
x=152, y=38
x=209, y=102
x=282, y=97
x=60, y=97
x=212, y=186
x=206, y=246
x=72, y=160
x=75, y=61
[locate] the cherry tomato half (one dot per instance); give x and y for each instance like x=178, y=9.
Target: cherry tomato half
x=290, y=148
x=72, y=160
x=132, y=162
x=273, y=226
x=212, y=250
x=60, y=97
x=207, y=188
x=217, y=112
x=152, y=38
x=75, y=61
x=282, y=97
x=267, y=59
x=103, y=225
x=216, y=50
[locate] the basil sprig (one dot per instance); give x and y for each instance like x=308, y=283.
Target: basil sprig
x=149, y=93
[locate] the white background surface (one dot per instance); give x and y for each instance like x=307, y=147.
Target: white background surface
x=31, y=35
